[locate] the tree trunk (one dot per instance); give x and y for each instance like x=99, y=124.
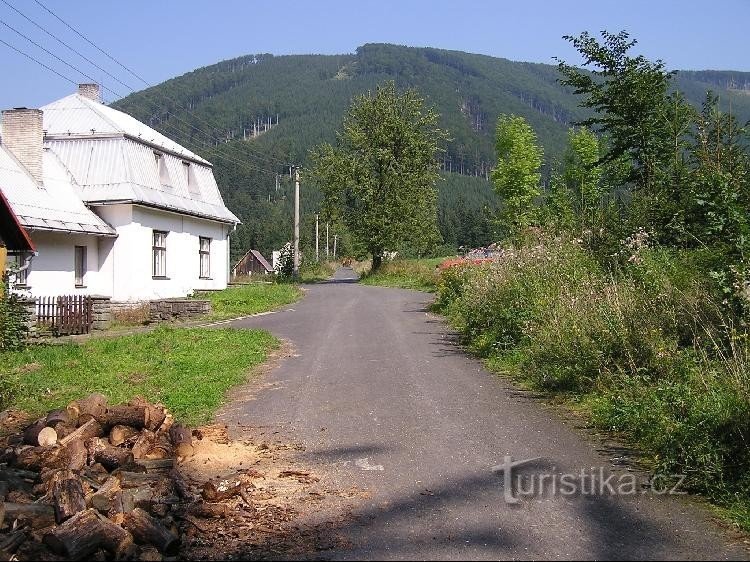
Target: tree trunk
x=377, y=261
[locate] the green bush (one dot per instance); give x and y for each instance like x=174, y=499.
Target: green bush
x=647, y=348
x=13, y=327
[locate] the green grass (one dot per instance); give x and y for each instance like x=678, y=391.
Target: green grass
x=418, y=274
x=316, y=271
x=249, y=299
x=188, y=369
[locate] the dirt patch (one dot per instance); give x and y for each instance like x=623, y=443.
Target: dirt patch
x=280, y=517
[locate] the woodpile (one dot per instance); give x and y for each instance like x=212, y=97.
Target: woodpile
x=102, y=481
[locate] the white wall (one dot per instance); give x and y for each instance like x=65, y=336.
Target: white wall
x=128, y=264
x=52, y=271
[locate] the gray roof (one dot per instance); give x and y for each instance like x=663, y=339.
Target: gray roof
x=111, y=156
x=54, y=206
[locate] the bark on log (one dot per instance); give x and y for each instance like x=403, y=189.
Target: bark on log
x=69, y=498
x=150, y=531
x=38, y=514
x=206, y=510
x=143, y=444
x=134, y=416
x=121, y=433
x=156, y=412
x=93, y=406
x=18, y=479
x=161, y=448
x=108, y=456
x=31, y=432
x=90, y=428
x=58, y=416
x=218, y=490
x=79, y=537
x=116, y=540
x=64, y=429
x=103, y=499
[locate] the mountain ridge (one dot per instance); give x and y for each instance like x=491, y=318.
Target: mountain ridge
x=304, y=98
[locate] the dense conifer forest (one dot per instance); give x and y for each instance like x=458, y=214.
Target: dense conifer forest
x=253, y=115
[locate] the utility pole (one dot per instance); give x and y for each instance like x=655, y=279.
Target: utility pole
x=296, y=222
x=317, y=238
x=327, y=241
x=335, y=239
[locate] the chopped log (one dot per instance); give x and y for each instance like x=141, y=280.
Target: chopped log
x=10, y=544
x=142, y=496
x=181, y=485
x=104, y=498
x=180, y=434
x=143, y=444
x=149, y=531
x=4, y=486
x=17, y=479
x=38, y=514
x=121, y=433
x=69, y=498
x=161, y=448
x=134, y=416
x=130, y=479
x=90, y=428
x=93, y=406
x=108, y=456
x=116, y=540
x=79, y=537
x=38, y=434
x=47, y=437
x=206, y=510
x=31, y=458
x=31, y=433
x=225, y=488
x=73, y=456
x=155, y=415
x=167, y=424
x=64, y=429
x=58, y=416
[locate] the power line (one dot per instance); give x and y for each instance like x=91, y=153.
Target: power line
x=56, y=38
x=40, y=63
x=225, y=157
x=137, y=76
x=247, y=165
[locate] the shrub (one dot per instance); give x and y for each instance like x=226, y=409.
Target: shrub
x=647, y=347
x=13, y=326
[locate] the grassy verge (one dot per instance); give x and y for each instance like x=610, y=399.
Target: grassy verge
x=316, y=271
x=419, y=274
x=189, y=370
x=250, y=299
x=645, y=351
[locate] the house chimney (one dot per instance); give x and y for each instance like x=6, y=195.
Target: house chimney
x=24, y=137
x=90, y=91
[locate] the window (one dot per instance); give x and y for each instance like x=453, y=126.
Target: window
x=159, y=250
x=161, y=166
x=191, y=180
x=80, y=265
x=19, y=276
x=204, y=253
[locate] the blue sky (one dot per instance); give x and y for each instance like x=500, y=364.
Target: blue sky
x=164, y=38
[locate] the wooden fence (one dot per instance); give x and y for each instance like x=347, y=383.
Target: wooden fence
x=66, y=315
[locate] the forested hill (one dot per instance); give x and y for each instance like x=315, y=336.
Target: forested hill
x=273, y=109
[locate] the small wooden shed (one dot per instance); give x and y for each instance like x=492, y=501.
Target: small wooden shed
x=251, y=263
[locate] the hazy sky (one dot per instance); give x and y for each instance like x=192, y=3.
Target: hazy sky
x=164, y=38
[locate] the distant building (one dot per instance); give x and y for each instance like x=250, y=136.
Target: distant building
x=113, y=207
x=252, y=262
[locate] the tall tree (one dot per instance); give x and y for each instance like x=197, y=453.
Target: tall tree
x=379, y=179
x=629, y=97
x=516, y=177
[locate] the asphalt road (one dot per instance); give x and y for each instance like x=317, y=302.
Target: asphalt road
x=382, y=398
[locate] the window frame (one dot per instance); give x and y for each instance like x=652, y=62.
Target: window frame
x=162, y=170
x=80, y=254
x=21, y=277
x=204, y=254
x=159, y=250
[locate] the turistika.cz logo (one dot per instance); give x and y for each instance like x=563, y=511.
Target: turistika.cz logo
x=520, y=480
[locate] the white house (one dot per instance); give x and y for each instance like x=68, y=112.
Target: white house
x=113, y=207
